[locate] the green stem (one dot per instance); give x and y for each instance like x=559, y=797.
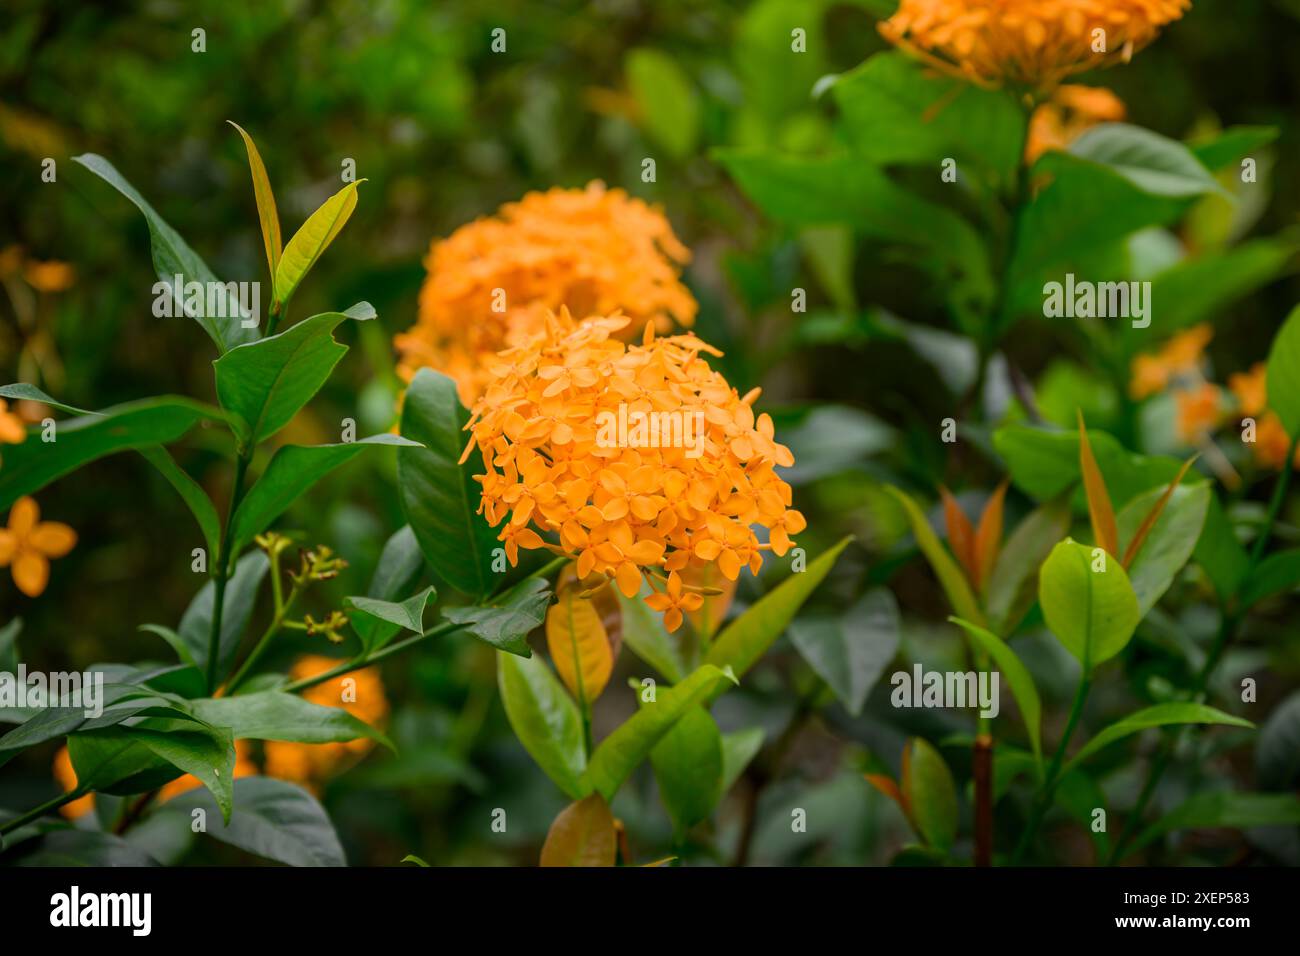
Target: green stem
x=264, y=641
x=1043, y=800
x=357, y=663
x=221, y=567
x=37, y=812
x=1231, y=620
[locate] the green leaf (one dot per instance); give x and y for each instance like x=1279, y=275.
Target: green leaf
x=1219, y=553
x=738, y=749
x=1018, y=679
x=670, y=108
x=399, y=563
x=71, y=847
x=21, y=391
x=930, y=794
x=174, y=641
x=644, y=633
x=1277, y=754
x=172, y=257
x=1088, y=602
x=623, y=750
x=1225, y=148
x=263, y=384
x=747, y=638
x=945, y=568
x=1159, y=715
x=506, y=621
x=582, y=835
x=273, y=819
x=267, y=216
x=30, y=466
x=1284, y=374
x=894, y=109
x=850, y=652
x=384, y=618
x=439, y=496
x=1224, y=809
x=312, y=239
x=191, y=492
x=1277, y=574
x=1013, y=585
x=1153, y=163
x=241, y=595
x=277, y=715
x=293, y=470
x=1170, y=542
x=688, y=765
x=545, y=719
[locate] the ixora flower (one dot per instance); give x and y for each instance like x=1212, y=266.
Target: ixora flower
x=1071, y=110
x=29, y=543
x=13, y=431
x=634, y=503
x=492, y=282
x=1033, y=43
x=1250, y=388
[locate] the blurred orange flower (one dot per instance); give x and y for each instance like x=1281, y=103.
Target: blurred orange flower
x=1271, y=442
x=1034, y=43
x=1198, y=411
x=1152, y=372
x=12, y=428
x=492, y=282
x=637, y=457
x=28, y=544
x=360, y=692
x=1071, y=110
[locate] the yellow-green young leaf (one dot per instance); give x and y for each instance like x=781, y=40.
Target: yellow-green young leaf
x=582, y=835
x=748, y=637
x=312, y=239
x=1152, y=516
x=1088, y=602
x=1100, y=511
x=544, y=719
x=929, y=794
x=1018, y=679
x=1284, y=374
x=945, y=569
x=579, y=645
x=267, y=215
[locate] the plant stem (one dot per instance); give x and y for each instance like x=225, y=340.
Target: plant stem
x=1228, y=625
x=263, y=642
x=983, y=779
x=221, y=567
x=1043, y=800
x=37, y=812
x=357, y=663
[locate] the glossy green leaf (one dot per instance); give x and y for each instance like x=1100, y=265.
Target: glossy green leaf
x=1018, y=679
x=267, y=216
x=1278, y=573
x=1159, y=715
x=747, y=637
x=30, y=466
x=173, y=257
x=1153, y=163
x=1219, y=553
x=408, y=614
x=1170, y=542
x=174, y=641
x=71, y=847
x=237, y=608
x=440, y=496
x=273, y=819
x=277, y=715
x=623, y=750
x=23, y=392
x=545, y=719
x=506, y=621
x=739, y=748
x=191, y=492
x=851, y=651
x=263, y=384
x=1284, y=374
x=1088, y=602
x=292, y=471
x=950, y=576
x=1230, y=145
x=688, y=765
x=312, y=239
x=930, y=794
x=1013, y=585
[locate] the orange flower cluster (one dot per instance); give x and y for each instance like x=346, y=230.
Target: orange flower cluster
x=559, y=456
x=491, y=284
x=1153, y=372
x=1034, y=43
x=1071, y=110
x=29, y=543
x=1271, y=440
x=311, y=764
